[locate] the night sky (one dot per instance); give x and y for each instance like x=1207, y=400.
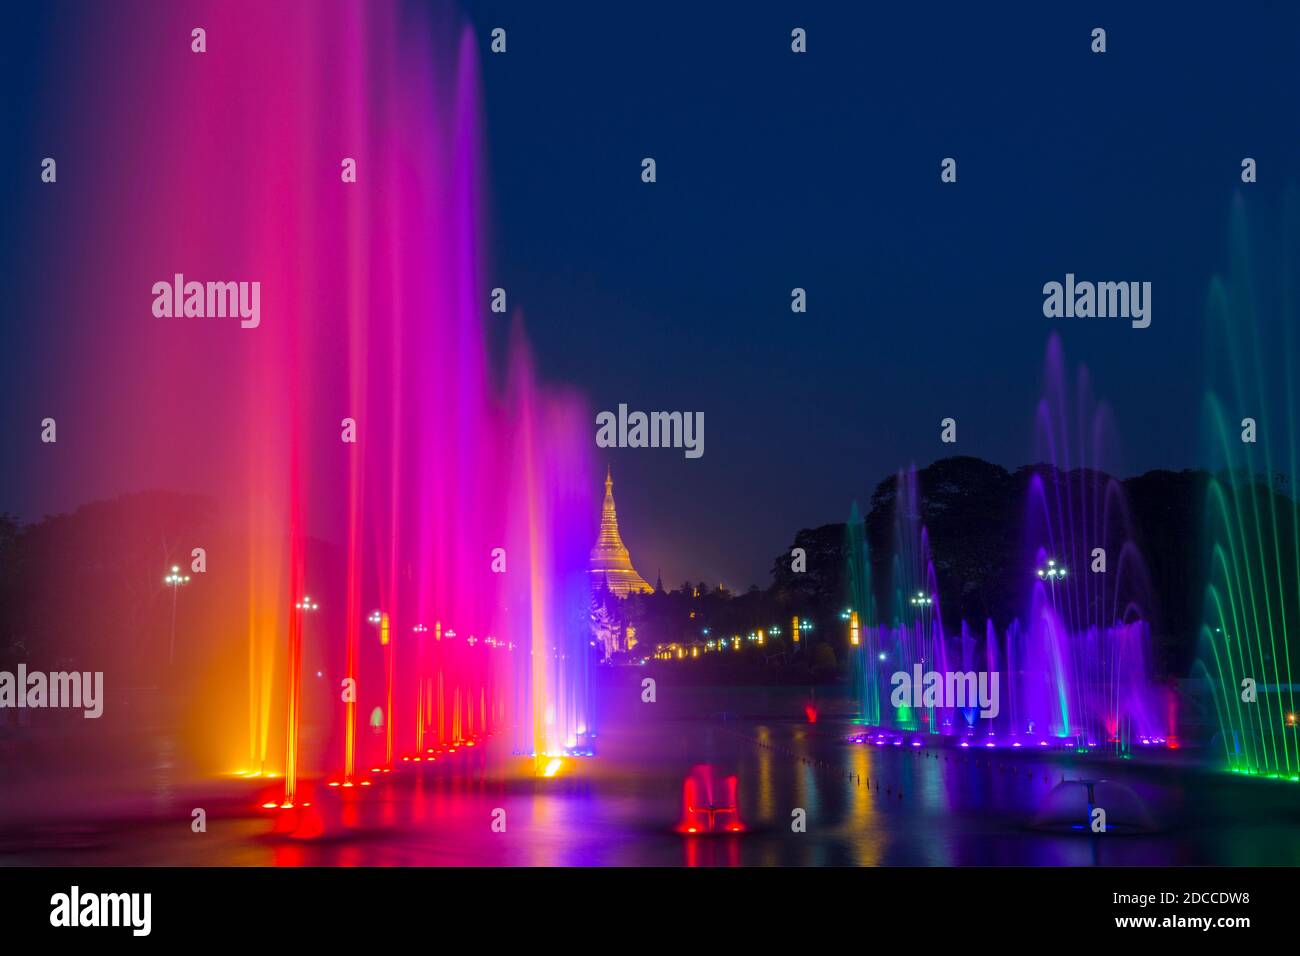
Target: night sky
x=821, y=170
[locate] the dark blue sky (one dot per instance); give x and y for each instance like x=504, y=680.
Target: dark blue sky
x=822, y=171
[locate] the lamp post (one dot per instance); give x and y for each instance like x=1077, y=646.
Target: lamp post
x=174, y=580
x=380, y=619
x=419, y=630
x=302, y=607
x=1052, y=573
x=924, y=602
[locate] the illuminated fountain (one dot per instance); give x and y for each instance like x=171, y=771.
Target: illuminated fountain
x=1252, y=599
x=1088, y=629
x=553, y=670
x=455, y=471
x=709, y=802
x=423, y=491
x=1074, y=671
x=918, y=636
x=915, y=635
x=864, y=631
x=366, y=442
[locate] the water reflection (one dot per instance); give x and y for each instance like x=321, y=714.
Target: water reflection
x=865, y=805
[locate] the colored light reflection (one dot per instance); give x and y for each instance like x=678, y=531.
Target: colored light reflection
x=709, y=802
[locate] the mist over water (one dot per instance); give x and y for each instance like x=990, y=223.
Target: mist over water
x=373, y=444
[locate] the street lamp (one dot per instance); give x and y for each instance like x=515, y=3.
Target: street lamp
x=1051, y=574
x=419, y=630
x=380, y=619
x=303, y=606
x=924, y=602
x=174, y=581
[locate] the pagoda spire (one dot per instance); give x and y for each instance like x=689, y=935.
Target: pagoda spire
x=609, y=558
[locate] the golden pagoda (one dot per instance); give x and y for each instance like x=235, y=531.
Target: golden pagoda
x=611, y=565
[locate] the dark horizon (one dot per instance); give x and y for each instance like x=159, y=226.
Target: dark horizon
x=651, y=573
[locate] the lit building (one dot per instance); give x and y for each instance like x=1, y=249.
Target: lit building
x=606, y=631
x=611, y=565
